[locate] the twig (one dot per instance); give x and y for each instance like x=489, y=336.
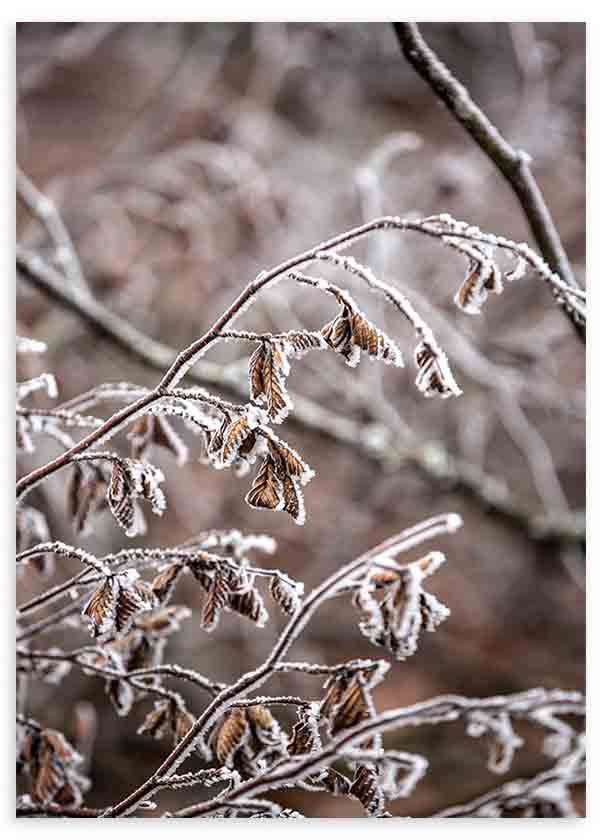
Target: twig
x=44, y=210
x=518, y=792
x=436, y=526
x=438, y=710
x=514, y=164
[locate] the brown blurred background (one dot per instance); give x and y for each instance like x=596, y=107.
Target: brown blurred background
x=185, y=158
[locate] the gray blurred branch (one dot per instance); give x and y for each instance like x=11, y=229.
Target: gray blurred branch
x=514, y=164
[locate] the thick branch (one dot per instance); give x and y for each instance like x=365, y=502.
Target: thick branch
x=513, y=163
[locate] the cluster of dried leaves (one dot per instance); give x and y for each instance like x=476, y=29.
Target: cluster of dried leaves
x=130, y=617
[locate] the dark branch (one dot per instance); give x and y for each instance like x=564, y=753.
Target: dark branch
x=514, y=164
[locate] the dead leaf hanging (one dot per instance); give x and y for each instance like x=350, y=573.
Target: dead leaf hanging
x=267, y=371
x=266, y=491
x=230, y=736
x=216, y=599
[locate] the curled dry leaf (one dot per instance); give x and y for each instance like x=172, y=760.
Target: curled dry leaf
x=165, y=581
x=366, y=787
x=396, y=621
x=216, y=598
x=231, y=735
x=306, y=737
x=130, y=481
x=50, y=762
x=434, y=377
x=278, y=482
x=266, y=732
x=239, y=439
x=249, y=604
x=247, y=739
x=117, y=601
x=86, y=495
x=267, y=370
x=121, y=695
x=154, y=430
x=158, y=721
x=483, y=276
x=332, y=781
x=351, y=709
x=266, y=490
x=168, y=716
x=286, y=593
x=350, y=332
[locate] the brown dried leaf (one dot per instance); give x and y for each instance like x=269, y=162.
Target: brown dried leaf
x=154, y=430
x=255, y=373
x=285, y=595
x=267, y=370
x=158, y=720
x=216, y=599
x=352, y=709
x=100, y=608
x=334, y=690
x=48, y=776
x=434, y=376
x=86, y=494
x=367, y=789
x=165, y=581
x=299, y=343
x=116, y=601
x=374, y=341
x=266, y=488
x=48, y=766
x=59, y=745
x=293, y=499
x=338, y=334
x=288, y=462
x=215, y=439
x=120, y=499
x=231, y=735
x=234, y=437
x=133, y=597
x=260, y=717
x=249, y=604
x=305, y=736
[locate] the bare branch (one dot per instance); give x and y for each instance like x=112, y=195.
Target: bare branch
x=514, y=164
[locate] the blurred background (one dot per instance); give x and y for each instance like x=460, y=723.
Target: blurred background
x=184, y=159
